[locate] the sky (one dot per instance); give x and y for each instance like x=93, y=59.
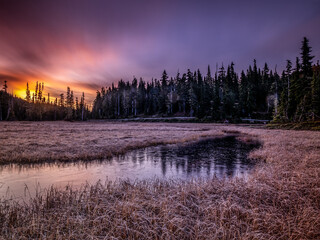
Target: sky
x=87, y=44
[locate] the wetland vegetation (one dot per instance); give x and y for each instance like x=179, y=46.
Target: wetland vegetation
x=278, y=200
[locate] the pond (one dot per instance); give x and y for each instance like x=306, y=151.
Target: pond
x=221, y=157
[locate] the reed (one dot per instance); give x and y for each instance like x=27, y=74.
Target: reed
x=279, y=200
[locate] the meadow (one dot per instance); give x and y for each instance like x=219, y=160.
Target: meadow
x=279, y=200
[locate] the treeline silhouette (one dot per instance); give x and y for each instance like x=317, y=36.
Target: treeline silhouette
x=37, y=107
x=256, y=93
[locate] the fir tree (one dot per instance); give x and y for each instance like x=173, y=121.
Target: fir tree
x=36, y=93
x=306, y=58
x=28, y=97
x=163, y=100
x=316, y=96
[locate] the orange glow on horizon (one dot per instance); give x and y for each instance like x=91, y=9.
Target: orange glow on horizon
x=54, y=88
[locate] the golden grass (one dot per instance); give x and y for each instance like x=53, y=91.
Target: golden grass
x=279, y=200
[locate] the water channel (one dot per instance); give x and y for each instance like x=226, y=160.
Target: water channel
x=222, y=157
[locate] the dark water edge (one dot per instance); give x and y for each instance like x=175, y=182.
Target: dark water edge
x=219, y=157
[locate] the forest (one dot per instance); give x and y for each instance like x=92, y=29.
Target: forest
x=256, y=93
x=292, y=96
x=39, y=108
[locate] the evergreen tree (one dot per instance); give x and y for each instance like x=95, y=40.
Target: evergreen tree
x=295, y=90
x=306, y=58
x=301, y=84
x=141, y=96
x=36, y=92
x=285, y=93
x=61, y=103
x=228, y=94
x=207, y=94
x=163, y=100
x=40, y=90
x=216, y=98
x=316, y=96
x=82, y=107
x=243, y=95
x=28, y=98
x=134, y=87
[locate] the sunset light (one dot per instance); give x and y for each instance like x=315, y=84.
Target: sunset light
x=90, y=45
x=160, y=119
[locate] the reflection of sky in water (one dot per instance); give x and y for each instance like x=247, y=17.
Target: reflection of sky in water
x=207, y=158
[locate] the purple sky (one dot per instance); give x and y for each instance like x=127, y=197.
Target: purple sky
x=89, y=44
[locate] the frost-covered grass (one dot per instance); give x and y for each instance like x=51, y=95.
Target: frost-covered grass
x=279, y=200
x=26, y=142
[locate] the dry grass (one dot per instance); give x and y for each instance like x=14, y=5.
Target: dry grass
x=309, y=125
x=30, y=142
x=280, y=200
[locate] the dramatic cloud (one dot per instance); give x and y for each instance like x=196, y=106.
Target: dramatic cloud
x=86, y=44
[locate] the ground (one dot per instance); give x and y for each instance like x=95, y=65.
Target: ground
x=279, y=200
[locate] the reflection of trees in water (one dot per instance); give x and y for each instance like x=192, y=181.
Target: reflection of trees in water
x=134, y=157
x=218, y=156
x=180, y=164
x=164, y=162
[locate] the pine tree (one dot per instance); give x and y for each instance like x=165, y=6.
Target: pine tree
x=61, y=103
x=82, y=107
x=28, y=98
x=216, y=98
x=68, y=97
x=302, y=84
x=251, y=103
x=133, y=94
x=36, y=93
x=163, y=100
x=285, y=94
x=295, y=90
x=71, y=100
x=243, y=95
x=288, y=76
x=306, y=58
x=141, y=94
x=97, y=105
x=207, y=93
x=228, y=93
x=193, y=98
x=40, y=90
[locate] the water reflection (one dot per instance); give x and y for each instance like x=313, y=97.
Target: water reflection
x=219, y=157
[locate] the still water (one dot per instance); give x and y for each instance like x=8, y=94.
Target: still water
x=224, y=157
